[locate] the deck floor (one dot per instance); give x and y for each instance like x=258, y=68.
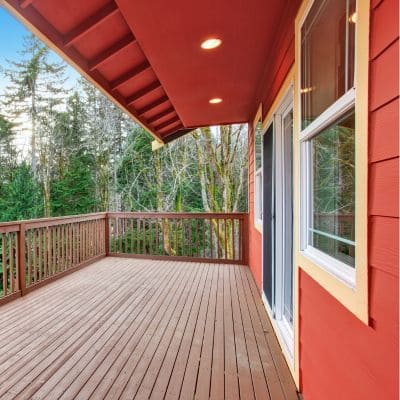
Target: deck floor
x=139, y=329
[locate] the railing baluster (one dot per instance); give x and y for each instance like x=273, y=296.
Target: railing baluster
x=211, y=239
x=157, y=234
x=4, y=262
x=233, y=238
x=151, y=236
x=11, y=256
x=40, y=253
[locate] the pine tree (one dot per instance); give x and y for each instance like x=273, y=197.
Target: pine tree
x=34, y=82
x=20, y=198
x=8, y=152
x=74, y=192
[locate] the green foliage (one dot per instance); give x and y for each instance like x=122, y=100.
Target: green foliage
x=21, y=197
x=74, y=192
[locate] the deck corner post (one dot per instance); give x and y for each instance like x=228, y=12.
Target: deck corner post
x=107, y=234
x=21, y=258
x=245, y=239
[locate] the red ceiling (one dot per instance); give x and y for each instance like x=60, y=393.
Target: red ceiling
x=146, y=54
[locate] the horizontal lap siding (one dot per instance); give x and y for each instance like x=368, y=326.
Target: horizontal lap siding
x=255, y=238
x=341, y=358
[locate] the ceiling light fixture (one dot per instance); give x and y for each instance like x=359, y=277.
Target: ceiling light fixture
x=353, y=18
x=215, y=100
x=211, y=43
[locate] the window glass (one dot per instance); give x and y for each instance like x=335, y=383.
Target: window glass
x=333, y=190
x=327, y=55
x=258, y=145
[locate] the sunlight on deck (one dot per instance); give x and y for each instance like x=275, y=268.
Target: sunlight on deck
x=123, y=328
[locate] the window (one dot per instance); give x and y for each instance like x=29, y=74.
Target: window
x=327, y=120
x=258, y=181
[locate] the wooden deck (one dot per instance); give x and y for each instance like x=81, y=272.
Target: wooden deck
x=139, y=329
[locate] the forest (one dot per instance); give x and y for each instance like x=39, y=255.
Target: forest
x=85, y=155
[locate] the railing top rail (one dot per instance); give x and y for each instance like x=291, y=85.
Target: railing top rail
x=9, y=227
x=14, y=226
x=237, y=215
x=40, y=222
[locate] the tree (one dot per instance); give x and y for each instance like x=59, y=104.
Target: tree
x=34, y=82
x=20, y=198
x=222, y=167
x=8, y=153
x=74, y=192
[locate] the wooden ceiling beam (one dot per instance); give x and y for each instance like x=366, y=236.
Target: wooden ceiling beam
x=160, y=115
x=152, y=105
x=87, y=25
x=111, y=51
x=168, y=122
x=25, y=3
x=170, y=131
x=142, y=92
x=115, y=84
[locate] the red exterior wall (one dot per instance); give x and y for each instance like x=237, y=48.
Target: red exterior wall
x=340, y=357
x=255, y=238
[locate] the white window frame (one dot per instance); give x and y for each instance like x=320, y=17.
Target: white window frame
x=258, y=195
x=333, y=113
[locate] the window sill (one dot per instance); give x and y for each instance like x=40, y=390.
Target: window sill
x=338, y=269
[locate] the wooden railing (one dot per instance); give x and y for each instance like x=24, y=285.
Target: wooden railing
x=34, y=252
x=211, y=237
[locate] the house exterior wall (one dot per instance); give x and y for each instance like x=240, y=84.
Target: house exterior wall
x=340, y=357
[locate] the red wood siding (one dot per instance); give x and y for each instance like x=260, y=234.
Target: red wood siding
x=255, y=238
x=340, y=357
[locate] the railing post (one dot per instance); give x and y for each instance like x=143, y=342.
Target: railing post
x=245, y=240
x=21, y=258
x=107, y=234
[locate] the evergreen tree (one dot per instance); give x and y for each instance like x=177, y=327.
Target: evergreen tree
x=74, y=192
x=20, y=198
x=35, y=82
x=8, y=153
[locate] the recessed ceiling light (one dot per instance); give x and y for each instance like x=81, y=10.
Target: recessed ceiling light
x=353, y=18
x=211, y=43
x=215, y=100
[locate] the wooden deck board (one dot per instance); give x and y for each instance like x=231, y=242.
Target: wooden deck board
x=140, y=329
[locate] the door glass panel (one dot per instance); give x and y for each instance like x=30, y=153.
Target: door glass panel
x=268, y=216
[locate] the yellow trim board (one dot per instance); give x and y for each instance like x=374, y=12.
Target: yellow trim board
x=256, y=119
x=354, y=299
x=156, y=145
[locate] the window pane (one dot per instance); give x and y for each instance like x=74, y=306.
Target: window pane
x=333, y=195
x=257, y=145
x=327, y=55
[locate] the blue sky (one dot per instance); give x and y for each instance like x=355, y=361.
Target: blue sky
x=11, y=38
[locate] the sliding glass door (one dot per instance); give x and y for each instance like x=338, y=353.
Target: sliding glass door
x=278, y=218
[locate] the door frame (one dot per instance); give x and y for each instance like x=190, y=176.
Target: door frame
x=283, y=329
